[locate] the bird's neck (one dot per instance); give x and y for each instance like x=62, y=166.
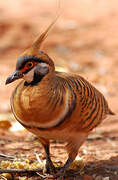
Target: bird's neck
x=40, y=78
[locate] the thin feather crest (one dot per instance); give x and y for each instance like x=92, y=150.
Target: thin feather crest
x=35, y=48
x=37, y=44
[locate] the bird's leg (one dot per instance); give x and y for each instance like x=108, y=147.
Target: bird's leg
x=67, y=164
x=72, y=147
x=49, y=167
x=72, y=150
x=70, y=159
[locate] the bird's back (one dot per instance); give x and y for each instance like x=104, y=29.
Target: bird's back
x=92, y=108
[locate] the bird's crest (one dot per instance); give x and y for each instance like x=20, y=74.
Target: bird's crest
x=34, y=49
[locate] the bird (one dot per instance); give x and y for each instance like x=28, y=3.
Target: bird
x=55, y=105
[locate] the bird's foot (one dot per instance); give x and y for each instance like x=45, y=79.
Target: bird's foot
x=51, y=172
x=49, y=168
x=60, y=172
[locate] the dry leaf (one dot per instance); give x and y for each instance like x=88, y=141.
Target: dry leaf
x=5, y=124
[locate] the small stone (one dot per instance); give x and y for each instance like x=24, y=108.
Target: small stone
x=94, y=175
x=84, y=151
x=74, y=66
x=102, y=71
x=99, y=178
x=106, y=178
x=99, y=54
x=23, y=178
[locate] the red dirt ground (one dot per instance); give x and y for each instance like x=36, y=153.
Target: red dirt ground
x=85, y=41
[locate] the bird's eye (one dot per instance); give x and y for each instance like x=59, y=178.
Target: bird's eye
x=30, y=64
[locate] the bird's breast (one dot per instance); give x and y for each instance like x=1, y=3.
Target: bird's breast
x=33, y=106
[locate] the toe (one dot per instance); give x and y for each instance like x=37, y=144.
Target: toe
x=49, y=169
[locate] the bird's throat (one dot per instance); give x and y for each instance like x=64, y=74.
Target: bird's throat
x=36, y=79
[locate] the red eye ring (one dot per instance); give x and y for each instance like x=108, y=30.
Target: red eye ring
x=29, y=64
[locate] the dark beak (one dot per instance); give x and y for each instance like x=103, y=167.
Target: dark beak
x=16, y=75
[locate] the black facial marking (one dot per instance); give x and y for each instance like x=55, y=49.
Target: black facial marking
x=23, y=60
x=36, y=80
x=39, y=73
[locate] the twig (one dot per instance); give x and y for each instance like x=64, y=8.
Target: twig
x=111, y=167
x=20, y=170
x=4, y=156
x=43, y=176
x=3, y=178
x=38, y=159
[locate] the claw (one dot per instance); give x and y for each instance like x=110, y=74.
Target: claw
x=61, y=171
x=49, y=168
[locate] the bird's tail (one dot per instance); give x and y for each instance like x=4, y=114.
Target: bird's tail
x=110, y=112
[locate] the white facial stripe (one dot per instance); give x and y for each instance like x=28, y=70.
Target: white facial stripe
x=43, y=64
x=29, y=76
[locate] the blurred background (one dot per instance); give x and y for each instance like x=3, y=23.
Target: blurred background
x=84, y=40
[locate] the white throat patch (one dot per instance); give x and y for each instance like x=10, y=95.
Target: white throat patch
x=29, y=76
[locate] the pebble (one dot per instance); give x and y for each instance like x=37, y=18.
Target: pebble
x=84, y=151
x=102, y=71
x=99, y=178
x=106, y=178
x=16, y=126
x=74, y=66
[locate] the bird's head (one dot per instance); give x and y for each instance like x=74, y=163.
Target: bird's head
x=33, y=64
x=32, y=68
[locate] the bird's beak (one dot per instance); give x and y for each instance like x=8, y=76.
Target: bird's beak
x=16, y=75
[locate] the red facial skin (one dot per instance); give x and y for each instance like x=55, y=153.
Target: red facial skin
x=26, y=67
